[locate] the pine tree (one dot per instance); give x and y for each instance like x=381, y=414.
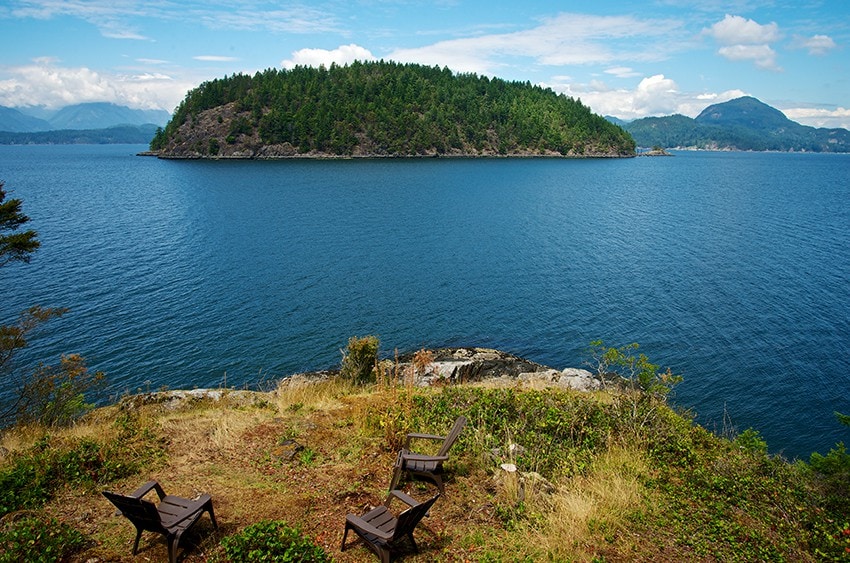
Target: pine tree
x=16, y=245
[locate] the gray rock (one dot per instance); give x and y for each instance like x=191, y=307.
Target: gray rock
x=172, y=400
x=579, y=379
x=465, y=365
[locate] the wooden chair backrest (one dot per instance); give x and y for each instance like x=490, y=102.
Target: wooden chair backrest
x=142, y=513
x=409, y=519
x=452, y=436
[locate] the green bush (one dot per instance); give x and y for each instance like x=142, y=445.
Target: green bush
x=31, y=478
x=272, y=541
x=559, y=431
x=634, y=370
x=36, y=538
x=750, y=440
x=28, y=482
x=835, y=464
x=359, y=359
x=713, y=498
x=55, y=395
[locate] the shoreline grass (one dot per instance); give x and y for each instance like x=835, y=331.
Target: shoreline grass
x=597, y=479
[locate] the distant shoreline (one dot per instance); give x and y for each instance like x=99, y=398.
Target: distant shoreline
x=326, y=156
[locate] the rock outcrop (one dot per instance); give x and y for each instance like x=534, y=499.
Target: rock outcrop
x=471, y=365
x=447, y=366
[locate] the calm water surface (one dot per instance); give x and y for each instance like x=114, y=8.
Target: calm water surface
x=731, y=268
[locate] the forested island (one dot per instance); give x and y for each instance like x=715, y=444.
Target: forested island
x=382, y=109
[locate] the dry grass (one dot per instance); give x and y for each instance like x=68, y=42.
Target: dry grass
x=239, y=455
x=18, y=438
x=232, y=453
x=293, y=394
x=590, y=508
x=98, y=425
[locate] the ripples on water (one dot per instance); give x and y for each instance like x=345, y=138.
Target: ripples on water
x=731, y=268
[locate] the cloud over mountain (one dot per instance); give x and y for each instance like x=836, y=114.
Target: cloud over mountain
x=744, y=39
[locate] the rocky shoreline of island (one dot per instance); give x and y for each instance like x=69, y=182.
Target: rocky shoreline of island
x=286, y=153
x=455, y=365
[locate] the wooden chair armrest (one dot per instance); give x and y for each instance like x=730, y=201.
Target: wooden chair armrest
x=146, y=488
x=406, y=499
x=419, y=435
x=425, y=436
x=365, y=526
x=423, y=457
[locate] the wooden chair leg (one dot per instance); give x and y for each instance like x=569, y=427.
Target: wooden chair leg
x=212, y=515
x=172, y=550
x=439, y=482
x=344, y=535
x=413, y=542
x=136, y=543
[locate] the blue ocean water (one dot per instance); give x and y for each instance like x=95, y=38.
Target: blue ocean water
x=733, y=269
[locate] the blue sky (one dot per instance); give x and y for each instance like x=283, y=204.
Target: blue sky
x=627, y=59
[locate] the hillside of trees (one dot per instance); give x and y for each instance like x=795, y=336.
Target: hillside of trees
x=122, y=134
x=741, y=124
x=382, y=109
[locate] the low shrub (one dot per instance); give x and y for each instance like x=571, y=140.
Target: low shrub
x=712, y=498
x=836, y=463
x=558, y=431
x=359, y=359
x=272, y=541
x=55, y=395
x=36, y=538
x=31, y=478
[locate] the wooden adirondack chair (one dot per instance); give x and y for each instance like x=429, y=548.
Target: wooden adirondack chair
x=171, y=517
x=427, y=467
x=384, y=533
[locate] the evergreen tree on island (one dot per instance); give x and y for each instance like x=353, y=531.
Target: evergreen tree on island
x=382, y=109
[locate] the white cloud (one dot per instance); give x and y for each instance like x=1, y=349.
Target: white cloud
x=50, y=86
x=653, y=96
x=818, y=117
x=762, y=55
x=294, y=19
x=735, y=30
x=342, y=55
x=108, y=16
x=215, y=58
x=45, y=83
x=455, y=54
x=816, y=45
x=622, y=72
x=112, y=17
x=746, y=40
x=566, y=39
x=113, y=31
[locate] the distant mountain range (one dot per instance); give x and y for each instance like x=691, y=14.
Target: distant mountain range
x=80, y=123
x=742, y=124
x=119, y=134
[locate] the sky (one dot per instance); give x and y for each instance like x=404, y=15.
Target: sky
x=623, y=59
